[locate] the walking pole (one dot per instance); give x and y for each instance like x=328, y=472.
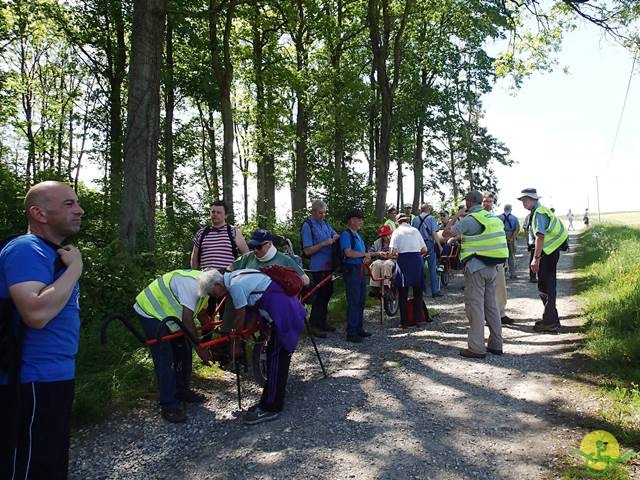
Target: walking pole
x=315, y=347
x=236, y=367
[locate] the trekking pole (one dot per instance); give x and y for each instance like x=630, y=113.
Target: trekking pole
x=236, y=367
x=315, y=347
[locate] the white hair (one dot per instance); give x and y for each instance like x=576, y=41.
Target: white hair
x=207, y=280
x=318, y=205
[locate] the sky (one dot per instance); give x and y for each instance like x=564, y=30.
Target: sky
x=561, y=126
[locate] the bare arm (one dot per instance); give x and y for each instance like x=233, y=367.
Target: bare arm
x=537, y=253
x=38, y=303
x=241, y=242
x=195, y=264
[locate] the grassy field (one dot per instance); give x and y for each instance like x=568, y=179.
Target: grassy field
x=609, y=284
x=631, y=219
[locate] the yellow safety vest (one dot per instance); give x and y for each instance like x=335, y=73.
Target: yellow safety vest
x=554, y=235
x=491, y=243
x=159, y=301
x=391, y=223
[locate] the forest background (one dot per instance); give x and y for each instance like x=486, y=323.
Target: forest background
x=181, y=102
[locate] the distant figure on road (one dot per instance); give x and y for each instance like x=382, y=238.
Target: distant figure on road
x=511, y=230
x=570, y=219
x=585, y=219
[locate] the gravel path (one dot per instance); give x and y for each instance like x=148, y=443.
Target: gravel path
x=402, y=405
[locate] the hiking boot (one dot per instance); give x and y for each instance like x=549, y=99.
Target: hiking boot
x=174, y=414
x=495, y=351
x=316, y=332
x=465, y=352
x=540, y=328
x=257, y=415
x=354, y=338
x=190, y=397
x=436, y=295
x=506, y=320
x=364, y=333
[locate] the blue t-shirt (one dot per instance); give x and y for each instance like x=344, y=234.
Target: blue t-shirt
x=242, y=283
x=426, y=226
x=321, y=260
x=510, y=222
x=358, y=246
x=48, y=354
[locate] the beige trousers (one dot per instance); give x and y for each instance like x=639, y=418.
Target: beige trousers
x=381, y=269
x=480, y=306
x=501, y=290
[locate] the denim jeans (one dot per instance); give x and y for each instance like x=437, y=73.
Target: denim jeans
x=431, y=260
x=355, y=291
x=172, y=362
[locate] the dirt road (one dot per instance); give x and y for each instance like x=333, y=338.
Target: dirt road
x=402, y=405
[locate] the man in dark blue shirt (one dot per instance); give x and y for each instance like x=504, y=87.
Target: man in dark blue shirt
x=355, y=260
x=35, y=439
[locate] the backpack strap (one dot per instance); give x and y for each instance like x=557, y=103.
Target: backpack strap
x=232, y=239
x=200, y=241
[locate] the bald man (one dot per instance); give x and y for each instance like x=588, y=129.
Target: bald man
x=39, y=288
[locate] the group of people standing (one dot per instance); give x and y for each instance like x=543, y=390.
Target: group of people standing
x=39, y=286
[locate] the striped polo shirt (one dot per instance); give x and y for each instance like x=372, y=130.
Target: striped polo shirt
x=216, y=251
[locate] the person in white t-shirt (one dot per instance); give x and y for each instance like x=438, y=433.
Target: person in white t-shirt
x=409, y=245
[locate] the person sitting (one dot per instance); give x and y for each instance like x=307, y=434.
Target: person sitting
x=263, y=253
x=409, y=245
x=253, y=290
x=384, y=266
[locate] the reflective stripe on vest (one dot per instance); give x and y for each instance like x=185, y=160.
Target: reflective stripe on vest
x=555, y=234
x=491, y=243
x=159, y=301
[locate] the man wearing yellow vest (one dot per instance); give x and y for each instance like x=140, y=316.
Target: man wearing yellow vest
x=174, y=294
x=484, y=245
x=550, y=236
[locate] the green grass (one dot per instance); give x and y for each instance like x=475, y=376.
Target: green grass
x=609, y=265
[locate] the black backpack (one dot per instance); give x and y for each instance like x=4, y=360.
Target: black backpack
x=339, y=258
x=207, y=230
x=10, y=337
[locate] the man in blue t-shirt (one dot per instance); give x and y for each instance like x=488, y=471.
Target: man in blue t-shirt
x=318, y=237
x=41, y=280
x=511, y=230
x=355, y=259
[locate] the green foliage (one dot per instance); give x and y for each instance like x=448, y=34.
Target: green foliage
x=12, y=190
x=610, y=285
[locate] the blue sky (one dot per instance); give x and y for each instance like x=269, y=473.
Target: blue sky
x=560, y=128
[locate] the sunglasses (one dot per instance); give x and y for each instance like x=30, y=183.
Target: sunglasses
x=258, y=247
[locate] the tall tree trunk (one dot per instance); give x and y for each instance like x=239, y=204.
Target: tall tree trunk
x=381, y=46
x=400, y=203
x=223, y=71
x=374, y=137
x=116, y=73
x=265, y=178
x=301, y=41
x=452, y=169
x=418, y=165
x=169, y=106
x=143, y=126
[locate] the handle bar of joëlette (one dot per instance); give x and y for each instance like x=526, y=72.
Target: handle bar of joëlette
x=205, y=328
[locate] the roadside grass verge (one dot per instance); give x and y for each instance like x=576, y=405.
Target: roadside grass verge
x=609, y=283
